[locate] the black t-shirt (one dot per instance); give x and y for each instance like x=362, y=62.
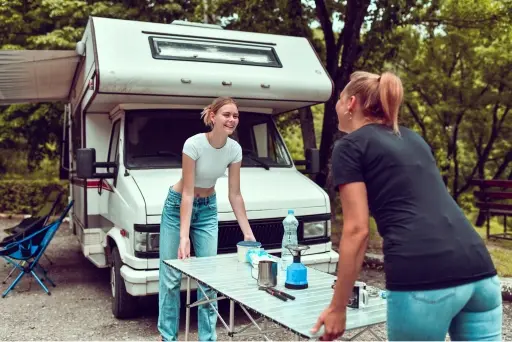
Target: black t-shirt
x=428, y=243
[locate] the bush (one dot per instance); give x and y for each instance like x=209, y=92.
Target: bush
x=27, y=196
x=14, y=165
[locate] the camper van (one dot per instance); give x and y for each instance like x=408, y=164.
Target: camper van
x=134, y=92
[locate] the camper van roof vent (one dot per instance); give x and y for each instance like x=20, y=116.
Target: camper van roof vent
x=201, y=25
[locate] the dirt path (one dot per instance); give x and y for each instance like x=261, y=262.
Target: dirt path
x=79, y=307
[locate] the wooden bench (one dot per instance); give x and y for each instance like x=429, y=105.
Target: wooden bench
x=494, y=198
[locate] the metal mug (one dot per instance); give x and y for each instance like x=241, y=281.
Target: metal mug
x=359, y=298
x=267, y=273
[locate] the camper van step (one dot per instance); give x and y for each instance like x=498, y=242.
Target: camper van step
x=98, y=260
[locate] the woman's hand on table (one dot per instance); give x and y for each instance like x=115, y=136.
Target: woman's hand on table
x=334, y=322
x=184, y=248
x=249, y=237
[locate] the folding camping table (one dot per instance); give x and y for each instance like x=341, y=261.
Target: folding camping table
x=232, y=280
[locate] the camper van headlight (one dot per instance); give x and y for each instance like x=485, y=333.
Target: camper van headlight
x=153, y=241
x=315, y=229
x=146, y=241
x=141, y=241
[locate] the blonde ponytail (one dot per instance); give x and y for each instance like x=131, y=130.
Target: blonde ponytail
x=380, y=96
x=206, y=117
x=391, y=96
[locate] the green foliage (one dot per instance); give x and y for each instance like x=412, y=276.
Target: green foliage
x=458, y=85
x=36, y=129
x=56, y=24
x=454, y=57
x=14, y=165
x=289, y=127
x=27, y=196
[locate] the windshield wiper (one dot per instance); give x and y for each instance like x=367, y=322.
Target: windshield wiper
x=157, y=154
x=257, y=159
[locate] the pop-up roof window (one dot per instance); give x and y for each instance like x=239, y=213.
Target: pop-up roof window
x=215, y=52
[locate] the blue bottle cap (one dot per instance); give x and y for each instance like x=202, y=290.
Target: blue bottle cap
x=291, y=211
x=249, y=244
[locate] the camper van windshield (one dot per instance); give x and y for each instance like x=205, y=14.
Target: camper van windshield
x=155, y=138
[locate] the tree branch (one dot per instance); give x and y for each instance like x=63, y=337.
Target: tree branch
x=507, y=160
x=463, y=23
x=339, y=44
x=418, y=120
x=330, y=43
x=495, y=129
x=454, y=64
x=502, y=120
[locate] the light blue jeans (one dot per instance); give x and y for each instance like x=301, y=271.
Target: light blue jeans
x=204, y=236
x=470, y=312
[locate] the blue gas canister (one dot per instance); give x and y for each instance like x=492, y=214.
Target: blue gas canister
x=296, y=273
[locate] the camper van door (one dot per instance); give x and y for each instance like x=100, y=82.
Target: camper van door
x=113, y=155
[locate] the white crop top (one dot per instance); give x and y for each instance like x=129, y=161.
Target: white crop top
x=211, y=162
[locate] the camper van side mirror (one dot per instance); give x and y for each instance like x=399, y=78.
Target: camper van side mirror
x=86, y=165
x=85, y=159
x=312, y=160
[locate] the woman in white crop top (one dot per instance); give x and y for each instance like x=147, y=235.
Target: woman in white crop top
x=190, y=211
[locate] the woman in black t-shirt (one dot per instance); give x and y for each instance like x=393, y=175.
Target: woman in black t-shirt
x=439, y=275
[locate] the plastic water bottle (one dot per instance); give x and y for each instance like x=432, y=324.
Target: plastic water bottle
x=290, y=224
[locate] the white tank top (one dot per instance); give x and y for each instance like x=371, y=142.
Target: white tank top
x=211, y=162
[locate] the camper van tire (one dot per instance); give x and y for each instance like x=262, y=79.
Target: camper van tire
x=123, y=304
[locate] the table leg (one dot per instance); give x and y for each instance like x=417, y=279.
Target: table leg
x=187, y=310
x=375, y=335
x=358, y=334
x=231, y=319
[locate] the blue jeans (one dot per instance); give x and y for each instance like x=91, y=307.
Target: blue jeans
x=204, y=235
x=469, y=312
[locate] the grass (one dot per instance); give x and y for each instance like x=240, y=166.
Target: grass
x=500, y=250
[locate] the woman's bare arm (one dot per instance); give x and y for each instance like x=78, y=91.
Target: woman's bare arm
x=354, y=241
x=237, y=201
x=187, y=196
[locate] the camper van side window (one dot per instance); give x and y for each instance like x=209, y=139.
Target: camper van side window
x=266, y=144
x=214, y=52
x=114, y=143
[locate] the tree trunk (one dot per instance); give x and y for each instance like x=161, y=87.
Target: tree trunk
x=355, y=13
x=307, y=127
x=330, y=133
x=299, y=28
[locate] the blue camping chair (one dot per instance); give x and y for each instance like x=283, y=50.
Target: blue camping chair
x=25, y=254
x=31, y=224
x=35, y=226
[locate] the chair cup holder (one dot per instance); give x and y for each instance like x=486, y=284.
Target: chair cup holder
x=25, y=249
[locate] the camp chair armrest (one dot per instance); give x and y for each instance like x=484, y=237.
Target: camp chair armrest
x=30, y=236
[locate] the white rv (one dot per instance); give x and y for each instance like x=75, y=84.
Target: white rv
x=134, y=93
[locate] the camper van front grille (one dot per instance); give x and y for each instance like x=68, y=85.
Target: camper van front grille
x=268, y=232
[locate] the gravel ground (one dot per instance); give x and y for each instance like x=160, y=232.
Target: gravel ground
x=80, y=308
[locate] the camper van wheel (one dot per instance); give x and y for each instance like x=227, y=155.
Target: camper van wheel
x=123, y=304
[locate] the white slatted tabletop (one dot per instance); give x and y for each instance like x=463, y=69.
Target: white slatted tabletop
x=233, y=279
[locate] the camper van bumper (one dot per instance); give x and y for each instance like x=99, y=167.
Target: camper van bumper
x=145, y=282
x=140, y=282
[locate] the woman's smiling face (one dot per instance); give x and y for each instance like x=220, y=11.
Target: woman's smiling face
x=226, y=119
